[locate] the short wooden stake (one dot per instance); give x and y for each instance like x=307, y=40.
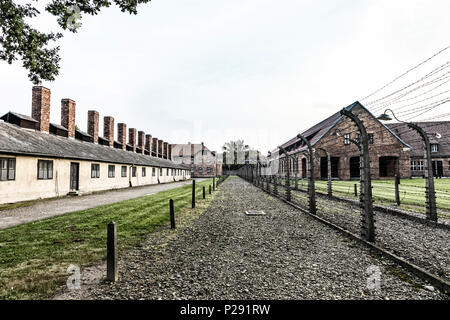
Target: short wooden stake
x=111, y=253
x=193, y=194
x=172, y=214
x=204, y=192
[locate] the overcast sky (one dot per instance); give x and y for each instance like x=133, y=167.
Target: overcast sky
x=214, y=71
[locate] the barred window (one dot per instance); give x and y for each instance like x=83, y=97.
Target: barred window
x=111, y=171
x=124, y=172
x=434, y=148
x=417, y=166
x=45, y=169
x=347, y=139
x=95, y=171
x=7, y=169
x=370, y=138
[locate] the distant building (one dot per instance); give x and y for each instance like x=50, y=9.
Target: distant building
x=201, y=161
x=439, y=135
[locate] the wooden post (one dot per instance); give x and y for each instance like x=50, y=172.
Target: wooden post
x=356, y=190
x=111, y=253
x=193, y=194
x=397, y=190
x=214, y=184
x=209, y=189
x=204, y=192
x=172, y=214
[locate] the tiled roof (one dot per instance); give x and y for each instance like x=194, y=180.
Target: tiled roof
x=19, y=141
x=438, y=132
x=316, y=133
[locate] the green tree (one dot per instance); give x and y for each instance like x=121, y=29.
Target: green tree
x=19, y=40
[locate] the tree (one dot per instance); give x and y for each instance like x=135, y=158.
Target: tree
x=19, y=40
x=237, y=153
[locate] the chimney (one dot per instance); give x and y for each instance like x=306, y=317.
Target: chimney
x=93, y=125
x=166, y=150
x=108, y=130
x=40, y=107
x=141, y=141
x=155, y=146
x=160, y=148
x=170, y=152
x=132, y=138
x=68, y=116
x=122, y=135
x=149, y=143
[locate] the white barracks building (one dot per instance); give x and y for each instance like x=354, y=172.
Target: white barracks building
x=39, y=159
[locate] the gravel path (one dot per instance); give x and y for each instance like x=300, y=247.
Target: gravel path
x=49, y=208
x=225, y=254
x=424, y=245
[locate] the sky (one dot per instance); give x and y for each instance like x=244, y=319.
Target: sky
x=213, y=71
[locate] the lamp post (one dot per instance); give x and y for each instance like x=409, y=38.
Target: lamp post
x=311, y=183
x=430, y=190
x=288, y=178
x=365, y=198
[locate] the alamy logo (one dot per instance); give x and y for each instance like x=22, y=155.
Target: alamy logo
x=374, y=279
x=74, y=281
x=74, y=16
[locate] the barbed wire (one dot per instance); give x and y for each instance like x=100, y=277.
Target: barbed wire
x=407, y=72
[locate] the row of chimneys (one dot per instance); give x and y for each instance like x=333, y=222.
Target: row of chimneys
x=137, y=140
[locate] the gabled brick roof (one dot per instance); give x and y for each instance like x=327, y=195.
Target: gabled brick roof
x=18, y=141
x=442, y=128
x=318, y=131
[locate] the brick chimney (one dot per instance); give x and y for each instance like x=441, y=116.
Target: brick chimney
x=40, y=107
x=132, y=138
x=170, y=152
x=122, y=135
x=68, y=116
x=108, y=130
x=155, y=146
x=149, y=143
x=93, y=124
x=141, y=141
x=160, y=148
x=165, y=150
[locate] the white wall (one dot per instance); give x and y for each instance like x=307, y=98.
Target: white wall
x=26, y=185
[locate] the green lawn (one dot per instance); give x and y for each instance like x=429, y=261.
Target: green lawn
x=34, y=257
x=412, y=192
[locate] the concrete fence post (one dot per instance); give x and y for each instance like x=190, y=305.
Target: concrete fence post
x=397, y=190
x=111, y=253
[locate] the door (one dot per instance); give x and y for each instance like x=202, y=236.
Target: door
x=74, y=176
x=438, y=169
x=355, y=170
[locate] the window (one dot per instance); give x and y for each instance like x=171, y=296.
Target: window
x=167, y=172
x=370, y=138
x=111, y=171
x=7, y=169
x=358, y=137
x=192, y=159
x=153, y=172
x=144, y=172
x=45, y=169
x=160, y=172
x=208, y=170
x=347, y=139
x=133, y=172
x=124, y=172
x=95, y=171
x=200, y=170
x=417, y=166
x=434, y=148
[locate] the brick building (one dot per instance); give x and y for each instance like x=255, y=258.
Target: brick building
x=39, y=159
x=202, y=161
x=389, y=154
x=439, y=135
